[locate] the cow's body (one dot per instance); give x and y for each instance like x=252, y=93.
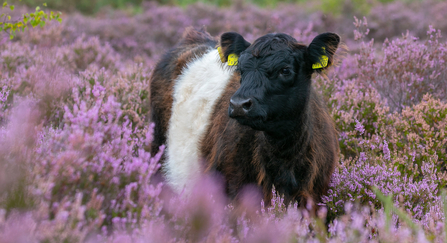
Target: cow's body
x=190, y=93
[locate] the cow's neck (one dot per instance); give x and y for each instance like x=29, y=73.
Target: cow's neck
x=293, y=141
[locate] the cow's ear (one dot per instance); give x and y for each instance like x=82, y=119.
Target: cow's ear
x=231, y=43
x=320, y=53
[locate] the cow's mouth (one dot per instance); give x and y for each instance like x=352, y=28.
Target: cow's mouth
x=255, y=122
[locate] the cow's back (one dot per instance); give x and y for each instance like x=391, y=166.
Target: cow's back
x=164, y=75
x=184, y=88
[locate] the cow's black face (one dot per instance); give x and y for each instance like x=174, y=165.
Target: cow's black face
x=275, y=77
x=271, y=87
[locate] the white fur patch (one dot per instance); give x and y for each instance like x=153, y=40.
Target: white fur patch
x=196, y=91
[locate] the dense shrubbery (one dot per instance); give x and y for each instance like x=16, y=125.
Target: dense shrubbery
x=74, y=132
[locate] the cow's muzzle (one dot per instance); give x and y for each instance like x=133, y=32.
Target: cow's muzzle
x=239, y=107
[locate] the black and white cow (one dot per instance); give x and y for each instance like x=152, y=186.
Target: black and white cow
x=259, y=121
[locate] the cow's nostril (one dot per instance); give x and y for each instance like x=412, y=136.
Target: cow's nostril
x=239, y=107
x=247, y=104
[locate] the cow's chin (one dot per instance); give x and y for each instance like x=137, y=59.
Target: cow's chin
x=256, y=123
x=273, y=128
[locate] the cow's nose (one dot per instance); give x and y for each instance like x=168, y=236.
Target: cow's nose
x=239, y=107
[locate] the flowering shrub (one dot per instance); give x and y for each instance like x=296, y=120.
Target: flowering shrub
x=85, y=53
x=75, y=133
x=407, y=70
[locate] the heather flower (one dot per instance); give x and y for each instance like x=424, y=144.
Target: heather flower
x=359, y=127
x=362, y=157
x=4, y=93
x=386, y=151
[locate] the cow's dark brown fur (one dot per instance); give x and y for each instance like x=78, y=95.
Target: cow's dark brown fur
x=246, y=156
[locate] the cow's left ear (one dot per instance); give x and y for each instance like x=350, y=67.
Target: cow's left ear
x=320, y=53
x=231, y=45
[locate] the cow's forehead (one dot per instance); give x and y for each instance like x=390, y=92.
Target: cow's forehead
x=272, y=60
x=271, y=43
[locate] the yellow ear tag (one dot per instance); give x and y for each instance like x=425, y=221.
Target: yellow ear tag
x=232, y=59
x=323, y=62
x=222, y=58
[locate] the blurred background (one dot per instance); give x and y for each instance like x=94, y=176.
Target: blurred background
x=335, y=7
x=142, y=30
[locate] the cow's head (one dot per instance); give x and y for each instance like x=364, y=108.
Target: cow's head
x=275, y=76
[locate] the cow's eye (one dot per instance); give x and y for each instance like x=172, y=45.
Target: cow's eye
x=285, y=71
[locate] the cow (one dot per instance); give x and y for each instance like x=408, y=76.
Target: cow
x=247, y=111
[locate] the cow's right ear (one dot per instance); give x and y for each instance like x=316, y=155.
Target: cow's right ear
x=231, y=43
x=322, y=50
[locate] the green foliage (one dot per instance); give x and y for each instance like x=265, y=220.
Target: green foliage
x=16, y=196
x=38, y=18
x=84, y=6
x=338, y=7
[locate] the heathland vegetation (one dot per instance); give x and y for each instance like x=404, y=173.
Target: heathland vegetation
x=75, y=135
